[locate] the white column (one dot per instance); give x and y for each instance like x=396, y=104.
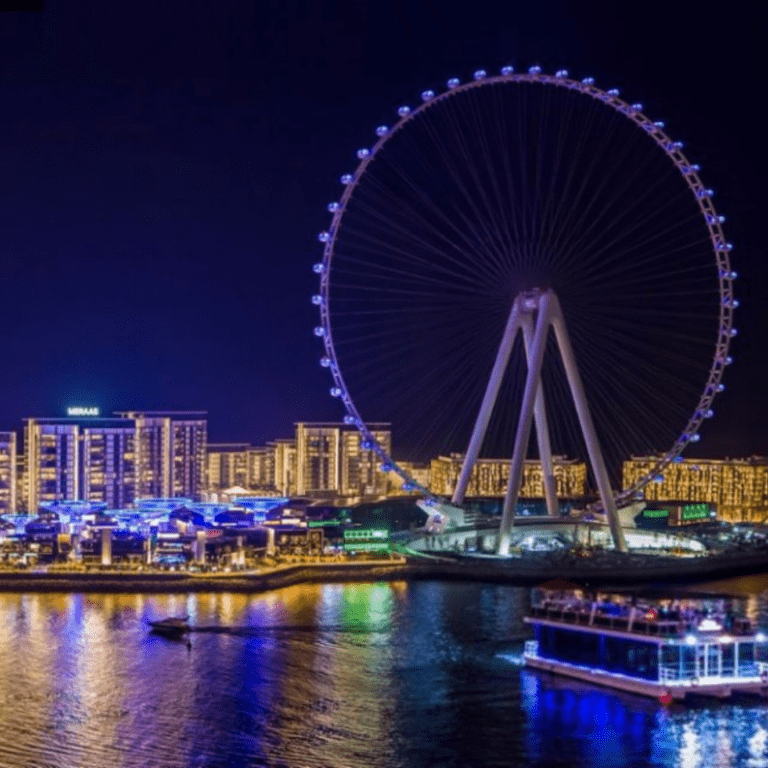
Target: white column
x=532, y=384
x=542, y=428
x=587, y=426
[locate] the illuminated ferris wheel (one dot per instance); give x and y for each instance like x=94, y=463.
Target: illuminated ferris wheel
x=517, y=210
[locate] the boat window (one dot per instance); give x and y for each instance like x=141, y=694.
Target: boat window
x=727, y=659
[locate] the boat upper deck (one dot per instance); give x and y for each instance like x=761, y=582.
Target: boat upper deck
x=669, y=619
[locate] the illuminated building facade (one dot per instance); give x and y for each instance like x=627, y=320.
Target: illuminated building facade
x=52, y=449
x=8, y=472
x=114, y=460
x=331, y=460
x=170, y=453
x=261, y=468
x=489, y=477
x=360, y=475
x=189, y=437
x=285, y=466
x=228, y=465
x=318, y=454
x=109, y=465
x=738, y=487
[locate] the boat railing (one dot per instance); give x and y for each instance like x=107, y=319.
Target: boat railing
x=619, y=622
x=626, y=619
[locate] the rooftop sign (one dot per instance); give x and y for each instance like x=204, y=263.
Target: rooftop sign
x=81, y=411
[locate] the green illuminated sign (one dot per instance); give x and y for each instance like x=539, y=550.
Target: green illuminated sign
x=655, y=513
x=366, y=534
x=366, y=547
x=695, y=511
x=367, y=540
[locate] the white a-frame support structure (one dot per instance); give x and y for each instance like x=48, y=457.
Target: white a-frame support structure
x=544, y=306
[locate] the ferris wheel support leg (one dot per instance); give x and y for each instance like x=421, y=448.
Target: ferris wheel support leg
x=587, y=426
x=523, y=435
x=489, y=401
x=542, y=428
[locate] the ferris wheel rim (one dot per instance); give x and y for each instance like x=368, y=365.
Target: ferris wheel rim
x=654, y=130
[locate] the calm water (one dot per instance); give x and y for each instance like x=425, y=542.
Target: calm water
x=391, y=675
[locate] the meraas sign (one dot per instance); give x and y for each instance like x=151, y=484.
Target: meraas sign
x=80, y=411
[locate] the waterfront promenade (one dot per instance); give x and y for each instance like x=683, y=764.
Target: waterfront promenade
x=606, y=568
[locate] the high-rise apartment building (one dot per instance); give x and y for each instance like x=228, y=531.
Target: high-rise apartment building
x=738, y=487
x=8, y=472
x=109, y=465
x=332, y=459
x=228, y=466
x=115, y=460
x=285, y=466
x=261, y=468
x=360, y=475
x=318, y=451
x=489, y=477
x=52, y=451
x=171, y=452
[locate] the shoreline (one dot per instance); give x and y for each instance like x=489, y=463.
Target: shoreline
x=516, y=573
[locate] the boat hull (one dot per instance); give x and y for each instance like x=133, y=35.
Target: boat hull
x=720, y=687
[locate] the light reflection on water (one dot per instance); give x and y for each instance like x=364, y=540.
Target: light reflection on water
x=393, y=675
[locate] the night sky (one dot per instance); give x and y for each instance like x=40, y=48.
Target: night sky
x=165, y=167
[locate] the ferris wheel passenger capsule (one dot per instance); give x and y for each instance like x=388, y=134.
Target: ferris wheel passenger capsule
x=382, y=130
x=318, y=268
x=480, y=74
x=453, y=83
x=588, y=81
x=695, y=438
x=677, y=145
x=613, y=92
x=319, y=331
x=349, y=419
x=733, y=275
x=637, y=107
x=561, y=73
x=728, y=360
x=696, y=167
x=366, y=445
x=721, y=387
x=709, y=414
x=534, y=70
x=508, y=70
x=427, y=95
x=659, y=124
x=734, y=332
x=324, y=237
x=404, y=111
x=333, y=207
x=347, y=178
x=317, y=299
x=336, y=392
x=363, y=153
x=325, y=362
x=721, y=219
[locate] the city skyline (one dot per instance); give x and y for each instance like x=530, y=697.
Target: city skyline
x=121, y=211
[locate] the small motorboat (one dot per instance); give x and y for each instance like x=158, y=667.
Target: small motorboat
x=171, y=627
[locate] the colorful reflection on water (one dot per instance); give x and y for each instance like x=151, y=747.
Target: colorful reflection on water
x=400, y=675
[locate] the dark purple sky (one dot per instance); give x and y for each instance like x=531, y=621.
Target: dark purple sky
x=164, y=172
